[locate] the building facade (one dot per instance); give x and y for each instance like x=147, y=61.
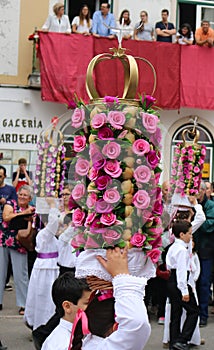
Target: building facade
x=23, y=115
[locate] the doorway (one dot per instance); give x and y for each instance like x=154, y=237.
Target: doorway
x=75, y=6
x=187, y=14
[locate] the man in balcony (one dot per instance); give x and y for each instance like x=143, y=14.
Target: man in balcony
x=102, y=20
x=204, y=36
x=164, y=29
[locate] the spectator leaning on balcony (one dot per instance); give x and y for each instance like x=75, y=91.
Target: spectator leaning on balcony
x=125, y=23
x=58, y=22
x=185, y=35
x=102, y=19
x=164, y=29
x=82, y=23
x=204, y=36
x=143, y=29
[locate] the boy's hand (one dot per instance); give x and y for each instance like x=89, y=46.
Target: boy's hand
x=185, y=297
x=116, y=262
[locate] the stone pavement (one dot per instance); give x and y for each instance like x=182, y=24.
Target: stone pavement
x=17, y=336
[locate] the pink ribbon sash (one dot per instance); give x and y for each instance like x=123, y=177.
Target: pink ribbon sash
x=80, y=315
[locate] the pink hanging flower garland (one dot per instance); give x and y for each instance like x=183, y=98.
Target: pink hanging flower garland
x=187, y=169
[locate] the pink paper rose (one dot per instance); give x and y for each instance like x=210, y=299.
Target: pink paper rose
x=82, y=166
x=103, y=207
x=77, y=118
x=78, y=241
x=89, y=219
x=154, y=255
x=152, y=159
x=79, y=143
x=98, y=161
x=112, y=168
x=102, y=182
x=78, y=191
x=98, y=120
x=105, y=133
x=93, y=174
x=156, y=242
x=116, y=119
x=141, y=147
x=96, y=224
x=150, y=122
x=111, y=195
x=78, y=217
x=141, y=199
x=91, y=200
x=148, y=101
x=111, y=99
x=142, y=174
x=137, y=239
x=108, y=219
x=111, y=150
x=111, y=237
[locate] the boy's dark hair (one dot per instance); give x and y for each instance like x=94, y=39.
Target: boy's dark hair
x=67, y=287
x=180, y=226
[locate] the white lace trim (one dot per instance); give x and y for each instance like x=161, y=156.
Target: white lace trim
x=139, y=265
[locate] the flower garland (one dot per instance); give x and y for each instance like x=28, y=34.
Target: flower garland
x=116, y=198
x=50, y=167
x=187, y=169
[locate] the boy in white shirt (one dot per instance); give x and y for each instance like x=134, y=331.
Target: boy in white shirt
x=179, y=290
x=69, y=295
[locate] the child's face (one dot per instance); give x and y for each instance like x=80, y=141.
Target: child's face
x=71, y=309
x=84, y=300
x=186, y=237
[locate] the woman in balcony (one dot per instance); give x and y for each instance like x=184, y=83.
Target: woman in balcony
x=125, y=24
x=83, y=23
x=58, y=22
x=143, y=29
x=185, y=35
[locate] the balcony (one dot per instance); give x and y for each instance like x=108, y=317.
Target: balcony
x=185, y=75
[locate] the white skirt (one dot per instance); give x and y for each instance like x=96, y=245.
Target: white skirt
x=39, y=306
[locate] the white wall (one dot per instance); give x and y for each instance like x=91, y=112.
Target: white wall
x=9, y=36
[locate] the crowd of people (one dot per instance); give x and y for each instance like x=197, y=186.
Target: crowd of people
x=49, y=296
x=104, y=24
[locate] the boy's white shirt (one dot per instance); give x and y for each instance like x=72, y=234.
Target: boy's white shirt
x=59, y=339
x=178, y=257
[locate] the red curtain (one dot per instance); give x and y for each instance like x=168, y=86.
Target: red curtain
x=63, y=64
x=185, y=75
x=197, y=77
